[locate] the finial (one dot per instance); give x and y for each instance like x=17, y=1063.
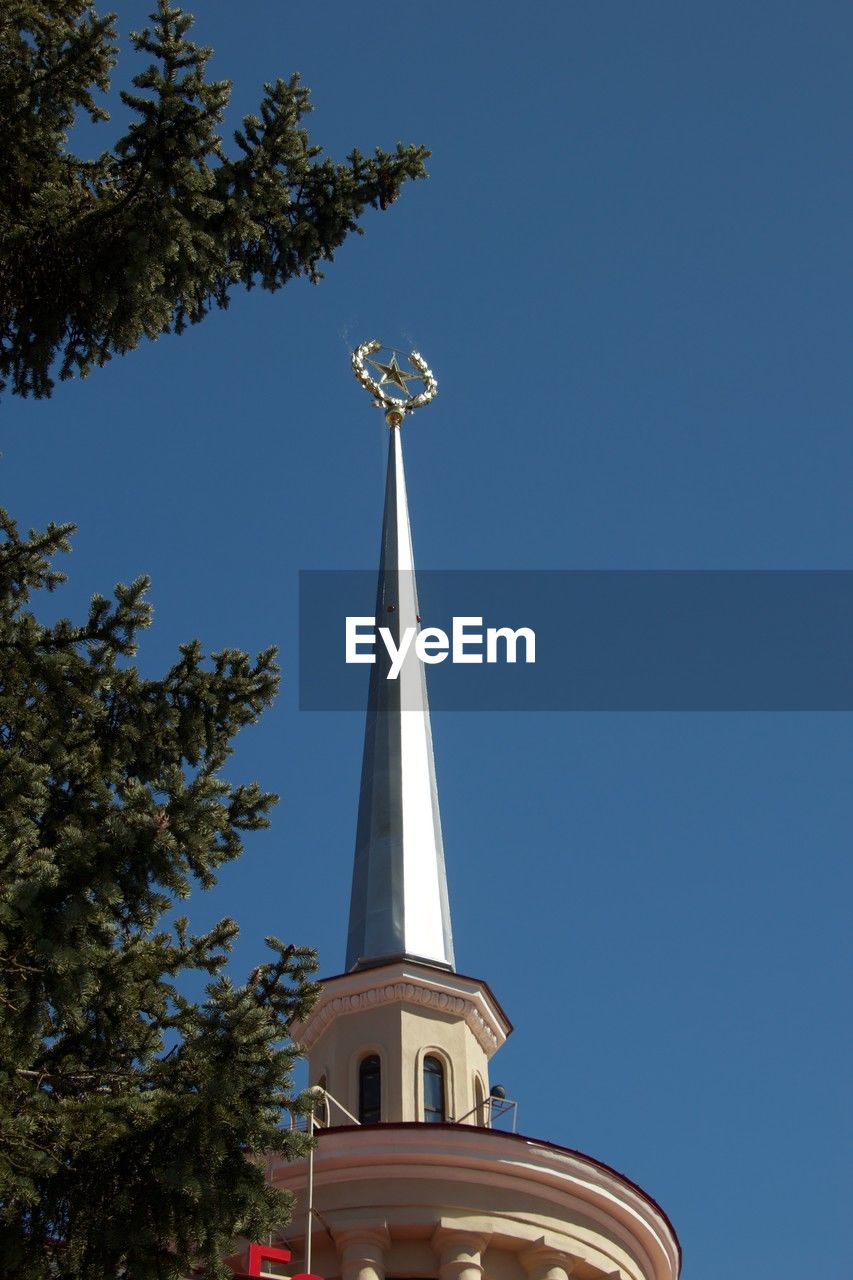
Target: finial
x=396, y=407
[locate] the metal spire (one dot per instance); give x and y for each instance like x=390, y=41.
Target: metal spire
x=399, y=906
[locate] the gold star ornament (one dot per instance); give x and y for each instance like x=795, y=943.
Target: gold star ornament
x=393, y=376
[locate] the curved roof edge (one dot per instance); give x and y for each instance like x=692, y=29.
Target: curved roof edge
x=517, y=1137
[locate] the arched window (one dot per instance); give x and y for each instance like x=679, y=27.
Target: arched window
x=433, y=1091
x=370, y=1090
x=480, y=1116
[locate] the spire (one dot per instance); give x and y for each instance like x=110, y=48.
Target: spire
x=399, y=905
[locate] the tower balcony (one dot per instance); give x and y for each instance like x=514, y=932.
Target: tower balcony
x=459, y=1202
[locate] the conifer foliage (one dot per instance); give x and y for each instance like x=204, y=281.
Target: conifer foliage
x=127, y=1109
x=144, y=239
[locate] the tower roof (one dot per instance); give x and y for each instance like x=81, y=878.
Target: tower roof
x=399, y=906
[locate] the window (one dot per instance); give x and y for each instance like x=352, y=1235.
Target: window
x=433, y=1091
x=480, y=1113
x=369, y=1090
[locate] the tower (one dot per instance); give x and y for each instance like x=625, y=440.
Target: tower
x=410, y=1179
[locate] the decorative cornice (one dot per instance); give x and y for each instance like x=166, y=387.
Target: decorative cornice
x=372, y=988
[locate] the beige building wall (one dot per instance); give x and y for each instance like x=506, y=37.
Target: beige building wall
x=401, y=1036
x=404, y=1012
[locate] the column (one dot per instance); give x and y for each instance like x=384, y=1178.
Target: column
x=544, y=1263
x=460, y=1253
x=362, y=1251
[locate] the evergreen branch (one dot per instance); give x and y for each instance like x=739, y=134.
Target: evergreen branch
x=114, y=805
x=97, y=255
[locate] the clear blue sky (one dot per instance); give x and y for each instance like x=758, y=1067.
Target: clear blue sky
x=631, y=272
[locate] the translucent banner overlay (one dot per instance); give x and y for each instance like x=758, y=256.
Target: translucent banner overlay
x=604, y=640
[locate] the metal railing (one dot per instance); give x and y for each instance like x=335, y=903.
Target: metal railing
x=493, y=1112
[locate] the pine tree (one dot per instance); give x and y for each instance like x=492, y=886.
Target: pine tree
x=145, y=239
x=127, y=1109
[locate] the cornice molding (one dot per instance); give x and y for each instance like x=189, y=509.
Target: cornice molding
x=400, y=984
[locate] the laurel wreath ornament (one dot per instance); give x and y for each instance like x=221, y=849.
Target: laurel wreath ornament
x=396, y=407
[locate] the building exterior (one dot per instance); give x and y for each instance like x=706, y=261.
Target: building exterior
x=424, y=1186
